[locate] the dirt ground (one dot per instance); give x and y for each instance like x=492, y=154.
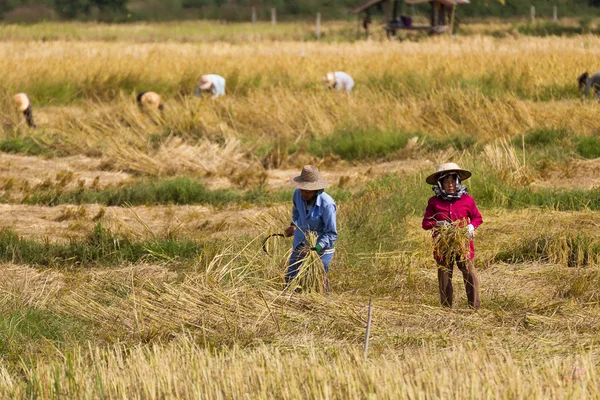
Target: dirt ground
x=38, y=169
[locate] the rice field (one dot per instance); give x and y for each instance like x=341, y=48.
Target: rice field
x=131, y=240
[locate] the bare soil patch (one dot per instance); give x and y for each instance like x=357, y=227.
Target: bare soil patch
x=37, y=170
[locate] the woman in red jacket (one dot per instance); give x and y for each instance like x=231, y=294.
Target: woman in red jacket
x=452, y=203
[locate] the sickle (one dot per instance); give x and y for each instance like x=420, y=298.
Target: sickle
x=264, y=243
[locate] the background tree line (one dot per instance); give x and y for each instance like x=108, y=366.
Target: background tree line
x=239, y=10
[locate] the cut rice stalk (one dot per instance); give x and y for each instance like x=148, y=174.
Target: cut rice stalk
x=311, y=276
x=452, y=243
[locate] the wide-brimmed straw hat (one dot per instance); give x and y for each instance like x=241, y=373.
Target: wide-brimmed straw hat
x=205, y=83
x=445, y=169
x=309, y=179
x=331, y=77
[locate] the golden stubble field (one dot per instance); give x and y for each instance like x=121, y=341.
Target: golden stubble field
x=217, y=325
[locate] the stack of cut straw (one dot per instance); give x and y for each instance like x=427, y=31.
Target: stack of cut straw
x=451, y=243
x=311, y=275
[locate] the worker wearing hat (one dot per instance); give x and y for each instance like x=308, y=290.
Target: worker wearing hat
x=452, y=203
x=313, y=210
x=212, y=83
x=339, y=81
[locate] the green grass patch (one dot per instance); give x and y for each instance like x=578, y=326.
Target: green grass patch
x=29, y=333
x=550, y=29
x=359, y=144
x=101, y=246
x=459, y=141
x=588, y=147
x=492, y=193
x=181, y=190
x=543, y=137
x=25, y=145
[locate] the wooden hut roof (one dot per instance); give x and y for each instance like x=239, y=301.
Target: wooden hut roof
x=444, y=2
x=370, y=3
x=365, y=5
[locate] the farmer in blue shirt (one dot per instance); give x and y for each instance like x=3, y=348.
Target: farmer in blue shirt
x=213, y=83
x=313, y=210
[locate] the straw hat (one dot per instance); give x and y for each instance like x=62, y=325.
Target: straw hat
x=329, y=79
x=205, y=83
x=445, y=169
x=21, y=101
x=309, y=179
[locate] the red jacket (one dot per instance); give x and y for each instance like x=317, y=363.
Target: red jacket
x=443, y=210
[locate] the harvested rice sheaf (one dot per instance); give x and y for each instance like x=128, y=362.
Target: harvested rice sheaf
x=451, y=242
x=311, y=276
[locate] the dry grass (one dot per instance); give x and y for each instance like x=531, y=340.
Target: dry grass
x=481, y=88
x=184, y=369
x=220, y=326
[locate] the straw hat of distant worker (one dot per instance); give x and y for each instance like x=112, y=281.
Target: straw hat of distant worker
x=309, y=179
x=149, y=101
x=339, y=81
x=22, y=104
x=446, y=169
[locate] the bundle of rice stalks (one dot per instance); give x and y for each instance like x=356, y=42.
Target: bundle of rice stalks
x=311, y=277
x=451, y=243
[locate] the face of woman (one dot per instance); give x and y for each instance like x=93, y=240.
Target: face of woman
x=308, y=195
x=449, y=184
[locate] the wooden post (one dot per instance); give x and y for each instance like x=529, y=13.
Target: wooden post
x=366, y=346
x=253, y=15
x=452, y=20
x=532, y=12
x=555, y=15
x=435, y=9
x=318, y=29
x=273, y=16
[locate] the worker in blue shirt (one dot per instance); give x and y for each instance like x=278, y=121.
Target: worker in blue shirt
x=213, y=83
x=313, y=210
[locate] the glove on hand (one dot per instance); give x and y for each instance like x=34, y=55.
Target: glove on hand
x=471, y=231
x=317, y=248
x=442, y=224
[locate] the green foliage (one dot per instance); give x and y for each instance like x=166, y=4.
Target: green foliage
x=100, y=246
x=154, y=191
x=24, y=146
x=493, y=193
x=458, y=141
x=588, y=147
x=27, y=332
x=70, y=9
x=239, y=10
x=359, y=144
x=550, y=29
x=542, y=137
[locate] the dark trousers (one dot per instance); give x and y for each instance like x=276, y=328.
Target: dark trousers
x=467, y=267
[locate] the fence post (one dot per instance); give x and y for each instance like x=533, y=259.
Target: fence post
x=318, y=30
x=253, y=15
x=368, y=332
x=555, y=15
x=273, y=16
x=532, y=12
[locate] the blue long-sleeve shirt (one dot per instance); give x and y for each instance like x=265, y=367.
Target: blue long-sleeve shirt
x=593, y=82
x=218, y=88
x=321, y=219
